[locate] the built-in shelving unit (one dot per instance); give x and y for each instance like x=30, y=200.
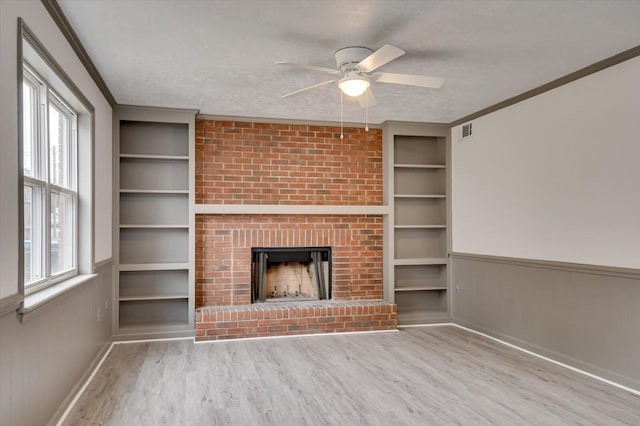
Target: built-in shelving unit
x=417, y=245
x=156, y=219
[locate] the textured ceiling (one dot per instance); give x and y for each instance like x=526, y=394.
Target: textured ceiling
x=217, y=56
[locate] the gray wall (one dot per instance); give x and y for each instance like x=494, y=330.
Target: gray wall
x=583, y=316
x=44, y=359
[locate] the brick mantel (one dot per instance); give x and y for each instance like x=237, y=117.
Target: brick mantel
x=289, y=209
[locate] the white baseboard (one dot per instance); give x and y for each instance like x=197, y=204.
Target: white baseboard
x=438, y=324
x=80, y=386
x=551, y=360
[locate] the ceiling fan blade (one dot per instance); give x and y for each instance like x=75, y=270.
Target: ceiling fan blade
x=410, y=80
x=385, y=54
x=367, y=100
x=306, y=89
x=308, y=67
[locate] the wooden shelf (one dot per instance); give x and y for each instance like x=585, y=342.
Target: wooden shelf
x=419, y=182
x=420, y=211
x=419, y=186
x=163, y=133
x=154, y=285
x=420, y=277
x=155, y=157
x=153, y=209
x=421, y=288
x=420, y=226
x=154, y=266
x=420, y=166
x=160, y=172
x=156, y=297
x=153, y=297
x=422, y=261
x=146, y=313
x=154, y=245
x=154, y=226
x=422, y=243
x=154, y=191
x=419, y=150
x=420, y=196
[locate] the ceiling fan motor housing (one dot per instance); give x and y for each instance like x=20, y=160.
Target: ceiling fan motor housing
x=348, y=58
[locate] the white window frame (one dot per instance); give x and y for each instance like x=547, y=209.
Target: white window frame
x=32, y=51
x=42, y=179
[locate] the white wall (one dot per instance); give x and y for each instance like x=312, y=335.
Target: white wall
x=38, y=20
x=556, y=177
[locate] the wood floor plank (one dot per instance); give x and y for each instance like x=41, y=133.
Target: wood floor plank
x=418, y=376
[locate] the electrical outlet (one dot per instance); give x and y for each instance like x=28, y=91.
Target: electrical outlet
x=106, y=305
x=457, y=290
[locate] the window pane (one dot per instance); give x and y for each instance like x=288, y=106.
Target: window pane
x=59, y=147
x=62, y=232
x=33, y=235
x=29, y=130
x=50, y=171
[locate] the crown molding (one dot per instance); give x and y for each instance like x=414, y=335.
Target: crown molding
x=583, y=72
x=65, y=27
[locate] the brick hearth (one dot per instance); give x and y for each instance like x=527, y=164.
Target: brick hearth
x=257, y=163
x=286, y=318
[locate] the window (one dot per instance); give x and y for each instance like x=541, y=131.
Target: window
x=50, y=169
x=56, y=201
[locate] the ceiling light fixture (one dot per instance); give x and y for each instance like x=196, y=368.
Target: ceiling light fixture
x=353, y=84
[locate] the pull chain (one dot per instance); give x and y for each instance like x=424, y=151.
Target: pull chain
x=366, y=110
x=341, y=111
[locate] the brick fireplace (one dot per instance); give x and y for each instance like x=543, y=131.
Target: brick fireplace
x=239, y=163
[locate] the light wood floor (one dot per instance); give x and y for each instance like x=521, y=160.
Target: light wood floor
x=418, y=376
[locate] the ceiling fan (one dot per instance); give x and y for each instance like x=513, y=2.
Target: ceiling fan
x=355, y=73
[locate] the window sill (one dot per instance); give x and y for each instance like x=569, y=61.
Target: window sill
x=34, y=302
x=10, y=304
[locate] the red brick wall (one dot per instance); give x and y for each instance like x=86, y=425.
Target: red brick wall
x=263, y=163
x=223, y=252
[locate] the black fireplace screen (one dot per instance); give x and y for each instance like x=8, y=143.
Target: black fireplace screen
x=290, y=273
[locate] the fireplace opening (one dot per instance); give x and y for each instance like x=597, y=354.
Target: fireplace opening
x=281, y=274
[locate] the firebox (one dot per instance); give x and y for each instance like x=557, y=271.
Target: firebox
x=290, y=274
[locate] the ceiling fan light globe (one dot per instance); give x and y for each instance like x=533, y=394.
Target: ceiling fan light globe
x=353, y=86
